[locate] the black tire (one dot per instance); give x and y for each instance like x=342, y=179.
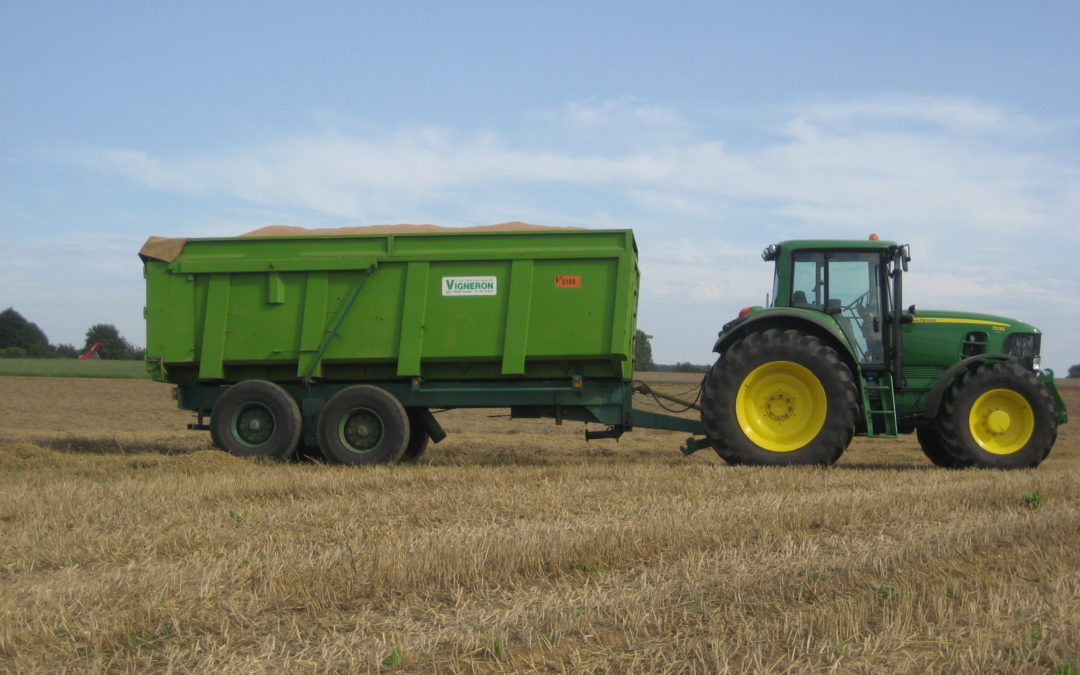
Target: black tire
x=800, y=401
x=363, y=425
x=934, y=449
x=998, y=416
x=255, y=418
x=418, y=438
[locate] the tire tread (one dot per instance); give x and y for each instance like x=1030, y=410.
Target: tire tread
x=953, y=421
x=724, y=379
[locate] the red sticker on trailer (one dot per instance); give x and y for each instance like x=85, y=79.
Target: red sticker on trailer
x=567, y=281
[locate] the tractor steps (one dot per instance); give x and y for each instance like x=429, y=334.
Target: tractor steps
x=879, y=405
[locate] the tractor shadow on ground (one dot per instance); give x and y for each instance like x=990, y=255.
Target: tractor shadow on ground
x=103, y=445
x=885, y=466
x=90, y=445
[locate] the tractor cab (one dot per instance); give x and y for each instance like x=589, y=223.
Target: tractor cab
x=849, y=282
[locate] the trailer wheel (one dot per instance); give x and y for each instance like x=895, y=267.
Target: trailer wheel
x=255, y=418
x=363, y=425
x=934, y=449
x=777, y=398
x=418, y=438
x=998, y=416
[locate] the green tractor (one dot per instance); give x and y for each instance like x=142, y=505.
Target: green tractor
x=836, y=354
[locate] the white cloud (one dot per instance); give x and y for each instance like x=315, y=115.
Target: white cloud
x=626, y=110
x=1007, y=288
x=945, y=113
x=955, y=177
x=833, y=167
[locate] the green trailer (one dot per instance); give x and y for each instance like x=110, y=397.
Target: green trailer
x=346, y=342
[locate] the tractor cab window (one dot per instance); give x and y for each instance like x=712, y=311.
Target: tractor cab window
x=808, y=281
x=846, y=285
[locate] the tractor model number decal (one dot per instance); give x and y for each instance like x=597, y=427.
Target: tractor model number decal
x=567, y=281
x=469, y=286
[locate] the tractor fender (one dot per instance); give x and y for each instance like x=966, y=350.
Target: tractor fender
x=933, y=400
x=812, y=322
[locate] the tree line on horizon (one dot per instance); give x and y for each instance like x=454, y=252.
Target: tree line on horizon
x=20, y=338
x=643, y=358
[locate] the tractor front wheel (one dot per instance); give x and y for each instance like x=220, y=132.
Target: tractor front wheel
x=934, y=449
x=779, y=397
x=998, y=416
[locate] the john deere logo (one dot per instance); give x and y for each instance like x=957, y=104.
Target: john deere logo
x=469, y=286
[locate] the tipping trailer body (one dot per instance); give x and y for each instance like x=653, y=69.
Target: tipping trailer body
x=541, y=321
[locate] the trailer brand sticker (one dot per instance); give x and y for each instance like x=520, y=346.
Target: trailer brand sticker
x=469, y=286
x=567, y=281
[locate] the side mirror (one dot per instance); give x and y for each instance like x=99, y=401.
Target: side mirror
x=909, y=316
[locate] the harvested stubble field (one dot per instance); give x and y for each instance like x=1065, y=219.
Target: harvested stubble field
x=126, y=544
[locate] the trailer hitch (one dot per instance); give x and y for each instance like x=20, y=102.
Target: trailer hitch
x=613, y=431
x=201, y=425
x=692, y=445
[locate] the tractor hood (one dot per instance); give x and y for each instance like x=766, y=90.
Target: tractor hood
x=936, y=339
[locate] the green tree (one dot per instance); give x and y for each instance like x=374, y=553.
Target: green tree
x=687, y=367
x=15, y=331
x=1074, y=371
x=64, y=351
x=643, y=351
x=114, y=346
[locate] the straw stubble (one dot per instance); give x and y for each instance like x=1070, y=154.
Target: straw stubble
x=127, y=544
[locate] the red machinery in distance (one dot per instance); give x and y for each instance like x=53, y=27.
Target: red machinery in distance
x=90, y=353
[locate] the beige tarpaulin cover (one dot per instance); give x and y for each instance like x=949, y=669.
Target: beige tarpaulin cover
x=168, y=249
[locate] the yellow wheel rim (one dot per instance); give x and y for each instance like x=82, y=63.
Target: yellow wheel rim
x=781, y=406
x=1001, y=421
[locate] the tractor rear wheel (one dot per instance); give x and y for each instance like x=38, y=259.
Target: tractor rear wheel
x=998, y=416
x=779, y=397
x=255, y=418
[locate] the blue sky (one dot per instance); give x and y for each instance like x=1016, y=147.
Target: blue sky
x=711, y=128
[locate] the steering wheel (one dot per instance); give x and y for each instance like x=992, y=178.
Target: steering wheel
x=859, y=302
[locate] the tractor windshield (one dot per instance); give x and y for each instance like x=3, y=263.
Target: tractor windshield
x=847, y=285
